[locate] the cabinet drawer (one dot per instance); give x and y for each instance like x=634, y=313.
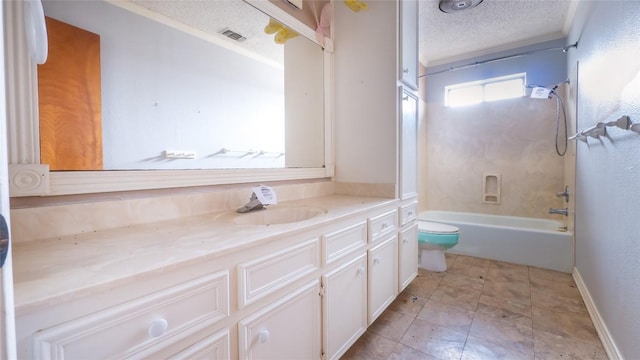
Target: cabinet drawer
x=342, y=242
x=408, y=213
x=382, y=225
x=267, y=274
x=214, y=347
x=140, y=327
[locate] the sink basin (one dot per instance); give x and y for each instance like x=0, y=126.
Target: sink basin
x=278, y=215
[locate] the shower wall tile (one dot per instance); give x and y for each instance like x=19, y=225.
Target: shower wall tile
x=514, y=138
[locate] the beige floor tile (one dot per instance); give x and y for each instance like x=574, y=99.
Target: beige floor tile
x=504, y=309
x=483, y=309
x=423, y=286
x=560, y=286
x=463, y=282
x=403, y=352
x=450, y=258
x=543, y=299
x=500, y=331
x=451, y=317
x=550, y=346
x=499, y=270
x=508, y=290
x=391, y=324
x=471, y=260
x=469, y=266
x=434, y=340
x=408, y=304
x=484, y=349
x=463, y=298
x=536, y=273
x=370, y=347
x=566, y=324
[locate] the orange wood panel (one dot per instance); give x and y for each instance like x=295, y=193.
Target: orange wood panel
x=69, y=99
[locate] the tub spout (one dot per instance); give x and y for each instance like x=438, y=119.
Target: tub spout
x=564, y=211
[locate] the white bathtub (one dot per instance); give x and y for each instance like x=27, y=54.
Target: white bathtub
x=520, y=240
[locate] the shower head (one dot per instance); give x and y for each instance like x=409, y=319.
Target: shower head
x=453, y=6
x=540, y=93
x=624, y=122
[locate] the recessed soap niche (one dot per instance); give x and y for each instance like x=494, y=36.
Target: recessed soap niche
x=491, y=185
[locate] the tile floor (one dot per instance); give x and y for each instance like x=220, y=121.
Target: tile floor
x=483, y=310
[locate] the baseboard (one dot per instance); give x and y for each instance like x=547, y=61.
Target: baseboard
x=603, y=332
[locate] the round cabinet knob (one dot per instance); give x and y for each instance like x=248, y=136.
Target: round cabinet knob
x=376, y=260
x=404, y=241
x=360, y=270
x=410, y=213
x=158, y=327
x=406, y=71
x=384, y=225
x=263, y=336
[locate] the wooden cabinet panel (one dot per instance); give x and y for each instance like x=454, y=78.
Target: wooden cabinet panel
x=69, y=99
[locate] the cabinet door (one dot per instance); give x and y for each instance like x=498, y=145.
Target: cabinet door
x=344, y=306
x=287, y=329
x=383, y=277
x=407, y=256
x=409, y=43
x=408, y=145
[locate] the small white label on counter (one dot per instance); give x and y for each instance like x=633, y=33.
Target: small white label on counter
x=266, y=195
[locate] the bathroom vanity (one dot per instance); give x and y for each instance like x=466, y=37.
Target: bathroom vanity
x=205, y=285
x=208, y=287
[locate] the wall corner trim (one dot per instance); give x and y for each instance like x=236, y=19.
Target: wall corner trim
x=603, y=332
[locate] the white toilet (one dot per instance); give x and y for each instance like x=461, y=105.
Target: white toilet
x=433, y=240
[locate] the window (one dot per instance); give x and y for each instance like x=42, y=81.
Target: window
x=475, y=92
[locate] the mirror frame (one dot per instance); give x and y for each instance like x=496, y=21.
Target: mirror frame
x=27, y=177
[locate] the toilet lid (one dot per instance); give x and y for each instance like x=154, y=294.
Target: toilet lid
x=436, y=228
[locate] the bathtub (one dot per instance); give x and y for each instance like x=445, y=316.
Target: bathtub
x=520, y=240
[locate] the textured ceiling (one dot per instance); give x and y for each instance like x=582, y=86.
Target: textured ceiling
x=493, y=25
x=213, y=16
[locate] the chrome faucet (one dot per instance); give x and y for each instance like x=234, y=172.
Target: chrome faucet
x=253, y=204
x=564, y=211
x=564, y=193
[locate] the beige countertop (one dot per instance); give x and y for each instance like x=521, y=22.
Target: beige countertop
x=58, y=268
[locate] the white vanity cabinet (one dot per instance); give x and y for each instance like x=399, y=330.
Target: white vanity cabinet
x=289, y=328
x=407, y=245
x=382, y=260
x=409, y=43
x=158, y=325
x=408, y=156
x=344, y=306
x=306, y=293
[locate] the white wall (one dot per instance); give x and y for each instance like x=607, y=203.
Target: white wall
x=608, y=171
x=365, y=93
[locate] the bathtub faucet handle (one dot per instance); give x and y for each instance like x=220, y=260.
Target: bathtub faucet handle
x=564, y=193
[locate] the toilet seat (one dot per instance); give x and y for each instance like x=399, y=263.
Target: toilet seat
x=436, y=228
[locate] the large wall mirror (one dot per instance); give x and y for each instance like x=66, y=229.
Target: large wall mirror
x=199, y=90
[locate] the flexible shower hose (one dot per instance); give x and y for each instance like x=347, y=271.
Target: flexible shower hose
x=560, y=106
